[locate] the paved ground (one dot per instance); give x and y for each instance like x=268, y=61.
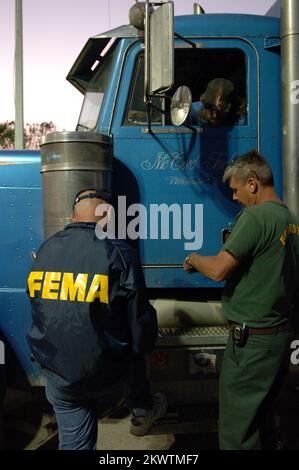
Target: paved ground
x=114, y=435
x=30, y=424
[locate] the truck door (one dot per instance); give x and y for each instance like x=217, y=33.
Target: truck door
x=178, y=167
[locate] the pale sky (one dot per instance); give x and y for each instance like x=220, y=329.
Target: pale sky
x=54, y=33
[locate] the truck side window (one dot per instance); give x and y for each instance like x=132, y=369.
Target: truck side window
x=136, y=112
x=196, y=68
x=202, y=70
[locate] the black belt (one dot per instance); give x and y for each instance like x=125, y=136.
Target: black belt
x=261, y=331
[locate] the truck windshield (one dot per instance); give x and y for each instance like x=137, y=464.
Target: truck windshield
x=94, y=95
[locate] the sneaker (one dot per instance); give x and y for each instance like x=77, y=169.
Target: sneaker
x=142, y=424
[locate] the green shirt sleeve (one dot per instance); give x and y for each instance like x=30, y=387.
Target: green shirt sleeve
x=244, y=239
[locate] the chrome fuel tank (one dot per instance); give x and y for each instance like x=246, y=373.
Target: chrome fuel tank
x=70, y=162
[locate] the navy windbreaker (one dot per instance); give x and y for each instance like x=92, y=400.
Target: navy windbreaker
x=90, y=309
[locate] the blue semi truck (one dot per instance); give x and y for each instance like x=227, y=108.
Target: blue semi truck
x=131, y=140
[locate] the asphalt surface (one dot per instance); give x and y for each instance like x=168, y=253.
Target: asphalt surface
x=29, y=424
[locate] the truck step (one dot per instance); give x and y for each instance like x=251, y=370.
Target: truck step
x=188, y=420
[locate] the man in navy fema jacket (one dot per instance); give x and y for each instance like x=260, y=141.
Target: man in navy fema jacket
x=92, y=325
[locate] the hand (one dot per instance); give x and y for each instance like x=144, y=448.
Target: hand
x=187, y=265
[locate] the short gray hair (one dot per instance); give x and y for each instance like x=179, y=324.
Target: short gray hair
x=249, y=165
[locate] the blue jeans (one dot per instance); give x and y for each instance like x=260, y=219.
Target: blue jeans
x=77, y=423
x=77, y=420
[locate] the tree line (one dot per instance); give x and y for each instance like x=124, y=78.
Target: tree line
x=32, y=134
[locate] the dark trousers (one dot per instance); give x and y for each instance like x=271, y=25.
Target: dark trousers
x=251, y=378
x=137, y=391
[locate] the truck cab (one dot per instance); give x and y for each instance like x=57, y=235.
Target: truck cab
x=175, y=165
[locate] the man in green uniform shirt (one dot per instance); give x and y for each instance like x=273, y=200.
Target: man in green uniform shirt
x=259, y=262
